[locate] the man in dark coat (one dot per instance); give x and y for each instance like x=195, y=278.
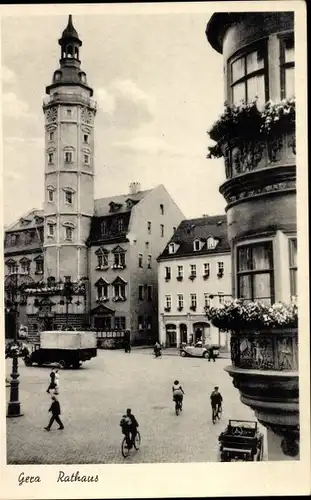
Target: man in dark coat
x=55, y=409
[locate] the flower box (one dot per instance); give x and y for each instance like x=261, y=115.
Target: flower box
x=192, y=277
x=180, y=278
x=193, y=308
x=179, y=309
x=167, y=309
x=167, y=278
x=220, y=274
x=206, y=276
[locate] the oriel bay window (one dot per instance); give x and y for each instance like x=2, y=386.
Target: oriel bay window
x=287, y=66
x=255, y=277
x=293, y=266
x=248, y=76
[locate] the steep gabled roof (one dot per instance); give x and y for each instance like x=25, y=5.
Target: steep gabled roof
x=200, y=228
x=31, y=215
x=102, y=205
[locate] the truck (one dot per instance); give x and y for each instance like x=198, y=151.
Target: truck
x=67, y=348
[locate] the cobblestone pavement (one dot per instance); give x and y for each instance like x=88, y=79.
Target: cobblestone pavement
x=94, y=398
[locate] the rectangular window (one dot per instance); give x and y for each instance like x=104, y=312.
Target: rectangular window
x=149, y=261
x=180, y=301
x=12, y=268
x=149, y=292
x=220, y=269
x=25, y=267
x=86, y=138
x=255, y=278
x=86, y=159
x=162, y=209
x=51, y=230
x=197, y=245
x=248, y=77
x=140, y=321
x=50, y=157
x=51, y=136
x=162, y=230
x=69, y=233
x=221, y=297
x=193, y=300
x=140, y=260
x=68, y=112
x=287, y=66
x=119, y=323
x=180, y=271
x=149, y=322
x=140, y=292
x=168, y=301
x=149, y=227
x=168, y=273
x=39, y=267
x=102, y=291
x=193, y=270
x=207, y=300
x=68, y=157
x=293, y=266
x=206, y=269
x=68, y=197
x=51, y=195
x=119, y=259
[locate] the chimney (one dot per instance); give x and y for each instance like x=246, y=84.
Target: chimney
x=134, y=187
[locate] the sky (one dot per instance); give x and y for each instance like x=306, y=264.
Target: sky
x=159, y=88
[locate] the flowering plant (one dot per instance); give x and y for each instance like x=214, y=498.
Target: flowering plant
x=239, y=314
x=249, y=123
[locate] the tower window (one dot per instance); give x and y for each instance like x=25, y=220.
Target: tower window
x=86, y=138
x=162, y=230
x=50, y=196
x=69, y=233
x=51, y=230
x=87, y=159
x=149, y=227
x=68, y=112
x=68, y=197
x=162, y=209
x=50, y=157
x=68, y=157
x=51, y=136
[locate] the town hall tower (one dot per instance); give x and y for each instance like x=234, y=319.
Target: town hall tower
x=69, y=164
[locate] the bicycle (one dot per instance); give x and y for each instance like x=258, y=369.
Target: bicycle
x=125, y=450
x=216, y=413
x=178, y=407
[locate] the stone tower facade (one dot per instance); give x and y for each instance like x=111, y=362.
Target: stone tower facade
x=69, y=112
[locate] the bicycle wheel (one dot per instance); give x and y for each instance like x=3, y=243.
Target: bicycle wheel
x=137, y=441
x=214, y=416
x=177, y=408
x=124, y=449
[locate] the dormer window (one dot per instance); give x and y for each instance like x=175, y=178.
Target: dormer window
x=115, y=207
x=197, y=245
x=171, y=248
x=211, y=243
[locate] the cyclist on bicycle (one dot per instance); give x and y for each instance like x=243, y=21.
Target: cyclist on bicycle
x=129, y=426
x=178, y=393
x=216, y=401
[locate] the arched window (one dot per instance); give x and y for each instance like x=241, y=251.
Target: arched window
x=69, y=51
x=76, y=53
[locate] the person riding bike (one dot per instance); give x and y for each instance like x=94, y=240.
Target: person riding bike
x=216, y=402
x=157, y=349
x=178, y=393
x=129, y=426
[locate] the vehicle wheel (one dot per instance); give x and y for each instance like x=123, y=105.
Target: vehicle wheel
x=183, y=354
x=27, y=362
x=40, y=363
x=62, y=363
x=205, y=355
x=76, y=366
x=137, y=441
x=124, y=449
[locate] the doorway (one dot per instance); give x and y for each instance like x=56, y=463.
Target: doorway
x=171, y=336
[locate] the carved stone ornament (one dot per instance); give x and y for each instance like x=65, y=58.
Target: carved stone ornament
x=246, y=156
x=51, y=115
x=279, y=186
x=86, y=116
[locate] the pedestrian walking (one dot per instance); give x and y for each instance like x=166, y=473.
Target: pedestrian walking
x=55, y=409
x=56, y=391
x=127, y=341
x=211, y=354
x=52, y=381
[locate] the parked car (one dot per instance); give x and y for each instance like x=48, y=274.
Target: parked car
x=241, y=442
x=199, y=350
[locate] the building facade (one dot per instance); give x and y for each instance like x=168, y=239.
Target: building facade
x=82, y=262
x=194, y=273
x=260, y=191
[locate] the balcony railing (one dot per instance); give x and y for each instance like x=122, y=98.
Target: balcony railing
x=69, y=98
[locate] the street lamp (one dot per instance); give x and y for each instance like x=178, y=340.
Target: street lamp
x=14, y=406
